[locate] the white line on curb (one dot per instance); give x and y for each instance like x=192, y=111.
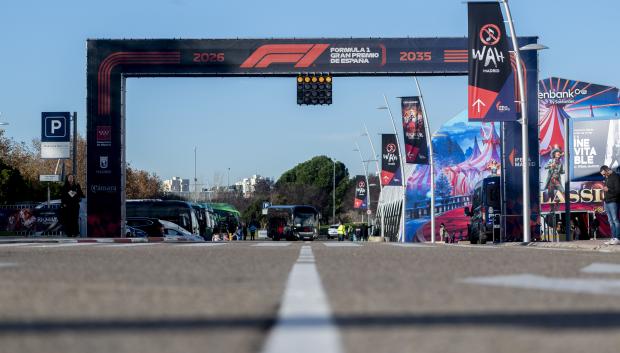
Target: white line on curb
x=120, y=245
x=599, y=267
x=275, y=244
x=7, y=264
x=304, y=321
x=341, y=244
x=198, y=245
x=411, y=245
x=58, y=245
x=13, y=244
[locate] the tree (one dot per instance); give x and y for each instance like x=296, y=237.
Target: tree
x=443, y=188
x=312, y=181
x=142, y=184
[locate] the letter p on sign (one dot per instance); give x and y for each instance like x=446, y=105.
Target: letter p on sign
x=55, y=127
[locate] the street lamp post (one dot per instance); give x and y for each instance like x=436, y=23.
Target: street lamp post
x=195, y=179
x=524, y=129
x=357, y=148
x=427, y=129
x=334, y=193
x=401, y=236
x=376, y=158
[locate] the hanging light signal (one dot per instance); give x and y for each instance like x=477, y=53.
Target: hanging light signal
x=314, y=89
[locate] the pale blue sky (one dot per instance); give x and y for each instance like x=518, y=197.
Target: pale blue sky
x=43, y=68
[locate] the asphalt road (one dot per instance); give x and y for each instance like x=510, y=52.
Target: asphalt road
x=367, y=298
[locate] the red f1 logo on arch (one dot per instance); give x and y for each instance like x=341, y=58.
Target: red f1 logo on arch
x=302, y=55
x=491, y=89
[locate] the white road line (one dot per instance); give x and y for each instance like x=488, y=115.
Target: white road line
x=7, y=264
x=411, y=245
x=8, y=245
x=122, y=245
x=59, y=245
x=599, y=267
x=199, y=245
x=566, y=285
x=473, y=246
x=341, y=244
x=305, y=322
x=275, y=244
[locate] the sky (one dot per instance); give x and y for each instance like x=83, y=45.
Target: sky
x=246, y=126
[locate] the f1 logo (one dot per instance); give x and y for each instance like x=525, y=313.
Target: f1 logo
x=55, y=127
x=302, y=55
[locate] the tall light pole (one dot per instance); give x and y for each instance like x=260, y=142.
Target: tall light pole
x=334, y=193
x=195, y=179
x=431, y=162
x=357, y=148
x=376, y=158
x=401, y=236
x=228, y=185
x=525, y=163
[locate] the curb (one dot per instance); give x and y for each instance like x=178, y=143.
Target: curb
x=93, y=240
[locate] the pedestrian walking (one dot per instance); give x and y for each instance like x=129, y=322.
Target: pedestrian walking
x=443, y=233
x=70, y=198
x=612, y=197
x=252, y=229
x=245, y=231
x=341, y=231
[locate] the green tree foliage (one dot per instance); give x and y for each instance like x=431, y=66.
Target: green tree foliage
x=442, y=186
x=311, y=182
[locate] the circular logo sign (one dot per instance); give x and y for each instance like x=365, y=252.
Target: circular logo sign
x=390, y=148
x=362, y=184
x=490, y=34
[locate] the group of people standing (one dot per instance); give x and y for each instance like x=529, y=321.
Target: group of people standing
x=354, y=234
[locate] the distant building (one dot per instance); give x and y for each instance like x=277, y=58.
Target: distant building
x=248, y=185
x=176, y=184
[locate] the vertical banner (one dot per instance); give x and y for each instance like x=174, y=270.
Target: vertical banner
x=360, y=193
x=491, y=90
x=416, y=147
x=391, y=175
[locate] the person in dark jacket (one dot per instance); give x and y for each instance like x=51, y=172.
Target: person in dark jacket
x=612, y=197
x=70, y=198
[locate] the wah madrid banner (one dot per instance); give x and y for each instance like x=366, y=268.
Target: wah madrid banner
x=391, y=175
x=491, y=90
x=416, y=148
x=360, y=193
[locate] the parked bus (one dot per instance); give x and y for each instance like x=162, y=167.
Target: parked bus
x=296, y=222
x=228, y=217
x=485, y=211
x=180, y=212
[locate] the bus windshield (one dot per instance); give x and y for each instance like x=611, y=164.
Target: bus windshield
x=493, y=195
x=304, y=219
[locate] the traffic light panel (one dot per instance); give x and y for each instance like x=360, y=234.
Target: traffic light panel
x=314, y=89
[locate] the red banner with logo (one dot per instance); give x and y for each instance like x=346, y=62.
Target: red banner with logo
x=390, y=163
x=491, y=90
x=414, y=130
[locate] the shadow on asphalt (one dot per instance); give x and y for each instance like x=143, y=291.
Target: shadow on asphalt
x=556, y=320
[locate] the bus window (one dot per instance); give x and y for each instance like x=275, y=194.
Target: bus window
x=493, y=195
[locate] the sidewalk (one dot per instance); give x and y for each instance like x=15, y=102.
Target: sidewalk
x=585, y=245
x=59, y=240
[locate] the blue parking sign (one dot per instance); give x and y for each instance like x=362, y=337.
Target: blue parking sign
x=55, y=127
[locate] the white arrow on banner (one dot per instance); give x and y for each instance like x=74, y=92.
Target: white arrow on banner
x=478, y=103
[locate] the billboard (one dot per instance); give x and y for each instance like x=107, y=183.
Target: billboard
x=491, y=90
x=465, y=153
x=593, y=110
x=595, y=142
x=414, y=131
